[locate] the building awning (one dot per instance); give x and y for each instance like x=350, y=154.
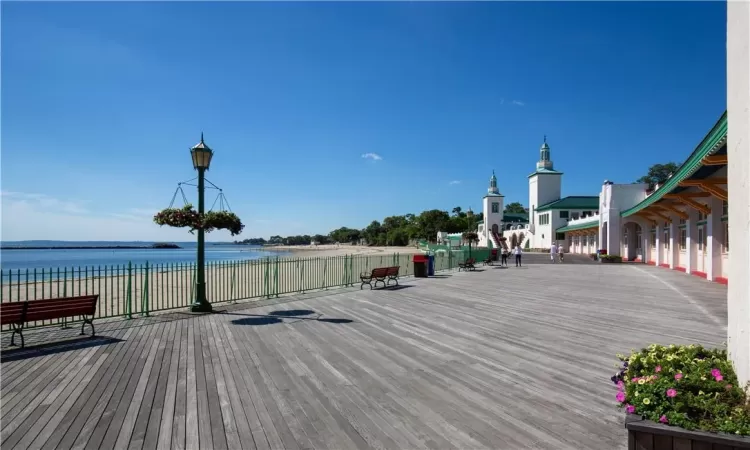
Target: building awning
x=579, y=226
x=714, y=143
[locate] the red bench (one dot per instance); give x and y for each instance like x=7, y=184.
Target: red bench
x=379, y=275
x=17, y=314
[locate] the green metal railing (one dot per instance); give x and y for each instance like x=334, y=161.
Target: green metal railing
x=137, y=290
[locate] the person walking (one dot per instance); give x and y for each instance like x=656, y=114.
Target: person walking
x=517, y=251
x=504, y=258
x=553, y=253
x=560, y=252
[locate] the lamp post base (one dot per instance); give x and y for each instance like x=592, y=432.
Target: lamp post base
x=203, y=307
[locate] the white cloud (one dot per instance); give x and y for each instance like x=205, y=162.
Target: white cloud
x=41, y=217
x=372, y=156
x=454, y=182
x=518, y=103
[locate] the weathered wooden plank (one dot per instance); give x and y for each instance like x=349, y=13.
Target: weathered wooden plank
x=180, y=400
x=149, y=413
x=162, y=437
x=79, y=431
x=79, y=412
x=16, y=428
x=244, y=436
x=228, y=428
x=192, y=437
x=477, y=360
x=109, y=423
x=261, y=424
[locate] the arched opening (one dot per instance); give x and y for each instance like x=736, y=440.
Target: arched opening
x=514, y=240
x=520, y=238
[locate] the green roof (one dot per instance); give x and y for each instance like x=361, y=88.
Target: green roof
x=515, y=217
x=573, y=202
x=545, y=172
x=579, y=226
x=710, y=144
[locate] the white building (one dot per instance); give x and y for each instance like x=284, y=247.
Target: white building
x=681, y=225
x=490, y=229
x=738, y=179
x=548, y=210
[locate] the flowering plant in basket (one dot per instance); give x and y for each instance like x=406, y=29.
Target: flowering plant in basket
x=190, y=218
x=688, y=386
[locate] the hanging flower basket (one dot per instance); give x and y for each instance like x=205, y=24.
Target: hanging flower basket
x=190, y=218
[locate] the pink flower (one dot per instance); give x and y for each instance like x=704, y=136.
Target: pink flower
x=671, y=393
x=658, y=369
x=630, y=409
x=715, y=372
x=719, y=377
x=620, y=396
x=620, y=385
x=678, y=376
x=663, y=419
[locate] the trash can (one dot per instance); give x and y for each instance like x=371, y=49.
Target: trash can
x=494, y=254
x=420, y=266
x=431, y=265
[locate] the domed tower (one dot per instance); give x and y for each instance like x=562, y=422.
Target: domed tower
x=492, y=208
x=545, y=184
x=544, y=161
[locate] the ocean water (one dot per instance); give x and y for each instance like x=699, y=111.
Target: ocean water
x=57, y=258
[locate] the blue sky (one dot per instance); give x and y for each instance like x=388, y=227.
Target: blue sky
x=101, y=102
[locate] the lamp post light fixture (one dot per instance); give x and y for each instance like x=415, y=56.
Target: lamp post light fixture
x=201, y=155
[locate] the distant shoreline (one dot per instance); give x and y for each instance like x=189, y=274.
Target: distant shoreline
x=96, y=247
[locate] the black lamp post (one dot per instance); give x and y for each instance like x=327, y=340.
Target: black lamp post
x=201, y=155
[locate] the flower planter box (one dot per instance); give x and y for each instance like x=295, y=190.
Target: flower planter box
x=644, y=434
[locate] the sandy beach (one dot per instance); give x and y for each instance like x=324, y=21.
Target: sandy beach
x=304, y=268
x=321, y=251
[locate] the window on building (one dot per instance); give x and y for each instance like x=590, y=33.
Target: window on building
x=682, y=221
x=563, y=214
x=725, y=237
x=574, y=215
x=638, y=240
x=683, y=239
x=653, y=239
x=701, y=238
x=666, y=239
x=701, y=216
x=544, y=219
x=586, y=213
x=560, y=236
x=495, y=207
x=725, y=208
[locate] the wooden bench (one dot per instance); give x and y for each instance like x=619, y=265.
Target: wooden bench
x=468, y=265
x=17, y=314
x=379, y=275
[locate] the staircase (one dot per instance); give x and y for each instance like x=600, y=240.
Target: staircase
x=497, y=241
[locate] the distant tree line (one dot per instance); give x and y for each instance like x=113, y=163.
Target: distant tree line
x=393, y=230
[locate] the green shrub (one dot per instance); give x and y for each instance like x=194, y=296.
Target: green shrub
x=611, y=258
x=687, y=386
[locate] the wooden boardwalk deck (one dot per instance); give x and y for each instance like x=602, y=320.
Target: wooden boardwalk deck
x=501, y=358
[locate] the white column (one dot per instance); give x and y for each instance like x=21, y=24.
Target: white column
x=646, y=238
x=691, y=250
x=738, y=148
x=713, y=247
x=674, y=241
x=659, y=250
